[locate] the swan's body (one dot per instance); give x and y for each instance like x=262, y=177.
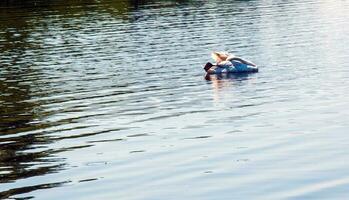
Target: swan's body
x=232, y=67
x=229, y=63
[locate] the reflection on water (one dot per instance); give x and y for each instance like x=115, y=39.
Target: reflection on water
x=18, y=159
x=222, y=84
x=106, y=99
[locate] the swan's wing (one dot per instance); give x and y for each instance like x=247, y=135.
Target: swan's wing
x=231, y=57
x=225, y=64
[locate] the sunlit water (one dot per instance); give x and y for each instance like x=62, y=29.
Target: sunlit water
x=108, y=100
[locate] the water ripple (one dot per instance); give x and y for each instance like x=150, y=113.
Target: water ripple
x=109, y=99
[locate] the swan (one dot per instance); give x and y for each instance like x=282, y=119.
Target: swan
x=229, y=63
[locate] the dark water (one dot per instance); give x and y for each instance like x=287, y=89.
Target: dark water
x=107, y=100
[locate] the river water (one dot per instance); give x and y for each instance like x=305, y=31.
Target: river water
x=108, y=100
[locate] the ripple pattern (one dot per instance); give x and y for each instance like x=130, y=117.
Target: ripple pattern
x=107, y=99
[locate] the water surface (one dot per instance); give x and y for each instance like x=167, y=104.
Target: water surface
x=108, y=100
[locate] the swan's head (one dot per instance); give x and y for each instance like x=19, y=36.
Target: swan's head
x=208, y=66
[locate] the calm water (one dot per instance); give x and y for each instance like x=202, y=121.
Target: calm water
x=108, y=100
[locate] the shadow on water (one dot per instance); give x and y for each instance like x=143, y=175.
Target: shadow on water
x=120, y=5
x=18, y=114
x=22, y=130
x=19, y=158
x=23, y=190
